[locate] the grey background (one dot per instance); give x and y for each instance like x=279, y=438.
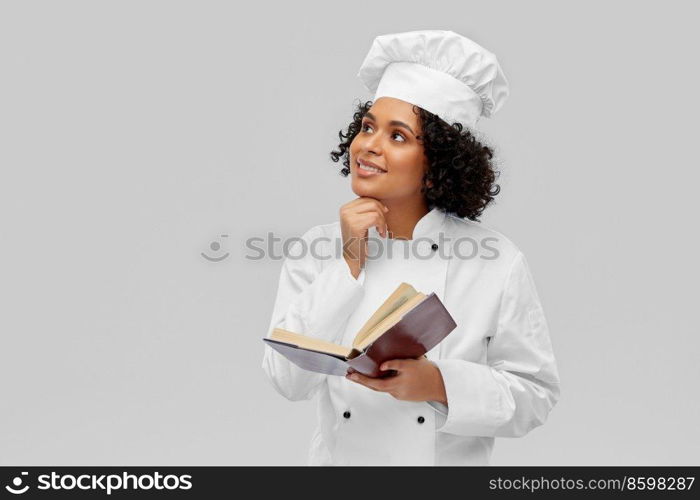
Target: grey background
x=134, y=134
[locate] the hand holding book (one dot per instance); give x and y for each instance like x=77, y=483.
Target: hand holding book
x=412, y=380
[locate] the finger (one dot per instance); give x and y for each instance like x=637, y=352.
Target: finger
x=364, y=204
x=375, y=219
x=389, y=374
x=369, y=208
x=371, y=205
x=372, y=383
x=393, y=364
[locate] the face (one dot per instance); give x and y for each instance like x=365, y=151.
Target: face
x=387, y=139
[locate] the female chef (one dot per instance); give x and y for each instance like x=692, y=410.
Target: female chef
x=421, y=180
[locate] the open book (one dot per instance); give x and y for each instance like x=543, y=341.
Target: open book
x=407, y=325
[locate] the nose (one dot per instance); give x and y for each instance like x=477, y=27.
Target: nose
x=373, y=144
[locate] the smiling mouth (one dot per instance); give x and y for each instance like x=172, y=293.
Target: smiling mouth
x=368, y=168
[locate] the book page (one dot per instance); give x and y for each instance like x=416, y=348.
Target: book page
x=310, y=343
x=397, y=298
x=389, y=321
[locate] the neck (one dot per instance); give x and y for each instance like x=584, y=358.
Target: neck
x=402, y=217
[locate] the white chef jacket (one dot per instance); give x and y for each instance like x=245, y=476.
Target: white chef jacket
x=497, y=365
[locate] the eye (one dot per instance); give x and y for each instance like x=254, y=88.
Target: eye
x=403, y=139
x=365, y=125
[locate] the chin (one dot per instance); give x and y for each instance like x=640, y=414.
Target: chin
x=368, y=191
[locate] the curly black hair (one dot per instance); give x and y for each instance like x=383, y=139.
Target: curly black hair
x=462, y=174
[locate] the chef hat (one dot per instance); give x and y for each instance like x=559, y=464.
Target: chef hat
x=440, y=71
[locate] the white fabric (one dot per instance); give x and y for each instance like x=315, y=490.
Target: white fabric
x=498, y=365
x=441, y=71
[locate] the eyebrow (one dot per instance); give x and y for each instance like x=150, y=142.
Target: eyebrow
x=392, y=122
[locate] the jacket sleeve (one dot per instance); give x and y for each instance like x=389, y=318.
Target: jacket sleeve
x=518, y=387
x=314, y=301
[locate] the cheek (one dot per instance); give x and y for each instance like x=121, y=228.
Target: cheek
x=355, y=144
x=408, y=166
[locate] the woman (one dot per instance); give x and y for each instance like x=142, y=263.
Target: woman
x=420, y=178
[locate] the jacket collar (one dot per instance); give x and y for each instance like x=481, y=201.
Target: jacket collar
x=430, y=224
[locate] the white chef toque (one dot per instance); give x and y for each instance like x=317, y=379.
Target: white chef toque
x=440, y=71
